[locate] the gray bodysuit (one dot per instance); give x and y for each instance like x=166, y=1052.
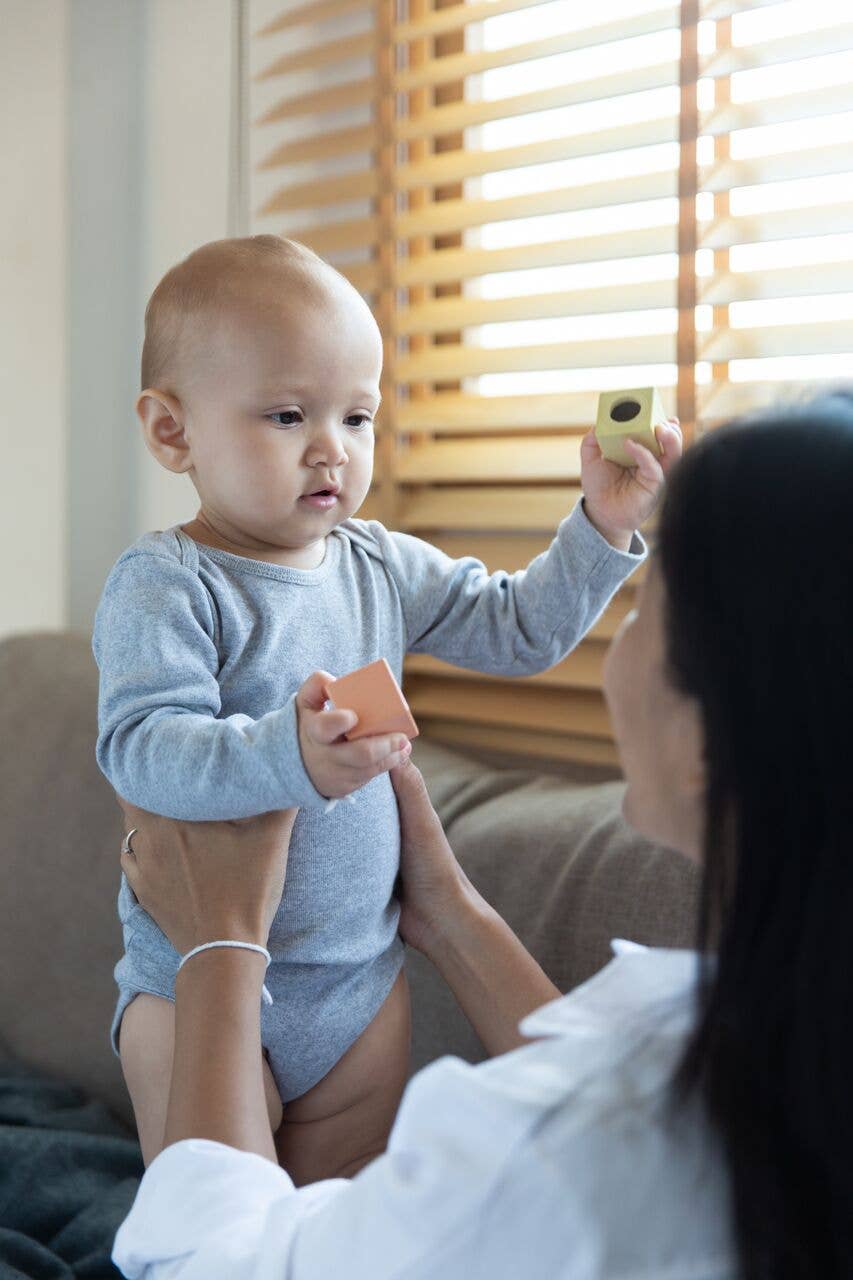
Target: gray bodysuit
x=201, y=654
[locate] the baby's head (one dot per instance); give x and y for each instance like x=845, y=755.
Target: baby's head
x=260, y=379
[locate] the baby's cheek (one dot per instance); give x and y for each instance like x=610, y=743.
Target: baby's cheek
x=270, y=475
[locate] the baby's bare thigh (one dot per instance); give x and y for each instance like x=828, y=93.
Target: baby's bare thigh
x=343, y=1122
x=147, y=1045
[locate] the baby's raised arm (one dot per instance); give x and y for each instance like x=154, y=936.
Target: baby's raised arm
x=506, y=623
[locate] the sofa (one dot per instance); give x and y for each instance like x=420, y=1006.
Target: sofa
x=550, y=852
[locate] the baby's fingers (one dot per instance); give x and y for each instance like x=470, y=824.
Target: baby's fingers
x=590, y=448
x=648, y=467
x=327, y=726
x=374, y=754
x=314, y=691
x=669, y=438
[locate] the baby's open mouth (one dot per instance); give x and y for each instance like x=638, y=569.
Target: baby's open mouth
x=320, y=497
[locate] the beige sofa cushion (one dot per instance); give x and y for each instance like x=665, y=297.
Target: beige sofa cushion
x=553, y=857
x=61, y=832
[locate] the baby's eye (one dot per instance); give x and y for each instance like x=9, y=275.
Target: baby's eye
x=360, y=420
x=285, y=413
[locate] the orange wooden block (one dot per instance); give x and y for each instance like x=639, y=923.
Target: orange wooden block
x=376, y=698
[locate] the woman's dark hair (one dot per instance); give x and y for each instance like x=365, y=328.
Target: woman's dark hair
x=756, y=552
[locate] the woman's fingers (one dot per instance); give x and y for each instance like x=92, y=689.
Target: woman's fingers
x=418, y=818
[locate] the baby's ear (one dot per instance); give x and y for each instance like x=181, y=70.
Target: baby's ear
x=162, y=418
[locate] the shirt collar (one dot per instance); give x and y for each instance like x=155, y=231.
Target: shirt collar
x=639, y=979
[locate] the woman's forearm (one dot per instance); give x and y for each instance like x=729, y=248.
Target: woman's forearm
x=217, y=1074
x=493, y=976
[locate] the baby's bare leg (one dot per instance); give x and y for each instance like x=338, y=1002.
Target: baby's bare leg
x=147, y=1045
x=343, y=1122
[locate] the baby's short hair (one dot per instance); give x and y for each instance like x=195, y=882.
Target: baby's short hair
x=204, y=283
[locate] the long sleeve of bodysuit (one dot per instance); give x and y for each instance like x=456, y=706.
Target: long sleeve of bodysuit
x=500, y=623
x=162, y=741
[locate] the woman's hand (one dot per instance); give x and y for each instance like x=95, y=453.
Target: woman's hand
x=204, y=881
x=433, y=887
x=494, y=979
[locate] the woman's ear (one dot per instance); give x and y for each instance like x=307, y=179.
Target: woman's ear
x=162, y=418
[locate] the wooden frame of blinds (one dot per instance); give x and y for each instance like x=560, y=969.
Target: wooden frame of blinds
x=492, y=475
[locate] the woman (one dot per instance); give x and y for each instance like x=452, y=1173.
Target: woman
x=652, y=1124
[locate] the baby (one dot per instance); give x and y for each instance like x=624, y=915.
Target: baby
x=215, y=639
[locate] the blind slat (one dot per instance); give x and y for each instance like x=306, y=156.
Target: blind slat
x=315, y=11
x=466, y=115
x=507, y=551
x=455, y=67
x=778, y=224
x=580, y=670
x=779, y=50
x=339, y=97
x=811, y=103
x=729, y=399
x=455, y=17
x=719, y=9
x=827, y=337
x=335, y=237
x=446, y=216
x=779, y=282
x=459, y=313
x=323, y=146
x=320, y=55
x=816, y=162
x=455, y=166
x=510, y=703
x=462, y=264
x=362, y=276
x=361, y=185
x=452, y=411
x=553, y=458
x=440, y=363
x=484, y=507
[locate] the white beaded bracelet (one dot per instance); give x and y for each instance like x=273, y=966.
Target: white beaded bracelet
x=247, y=946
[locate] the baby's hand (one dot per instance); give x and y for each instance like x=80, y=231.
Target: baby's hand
x=337, y=767
x=617, y=500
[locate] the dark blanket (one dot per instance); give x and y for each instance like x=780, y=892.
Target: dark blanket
x=68, y=1175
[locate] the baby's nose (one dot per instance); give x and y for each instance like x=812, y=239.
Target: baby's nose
x=328, y=444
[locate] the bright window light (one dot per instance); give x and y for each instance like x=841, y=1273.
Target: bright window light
x=832, y=72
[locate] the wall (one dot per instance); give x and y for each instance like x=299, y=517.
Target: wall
x=188, y=90
x=33, y=338
x=105, y=129
x=116, y=126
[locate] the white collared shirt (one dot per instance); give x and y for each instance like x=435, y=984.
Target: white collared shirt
x=558, y=1161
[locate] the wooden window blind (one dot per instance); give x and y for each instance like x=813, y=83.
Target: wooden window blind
x=542, y=200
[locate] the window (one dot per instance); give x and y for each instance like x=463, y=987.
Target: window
x=542, y=201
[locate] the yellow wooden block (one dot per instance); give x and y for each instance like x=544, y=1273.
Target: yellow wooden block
x=628, y=415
